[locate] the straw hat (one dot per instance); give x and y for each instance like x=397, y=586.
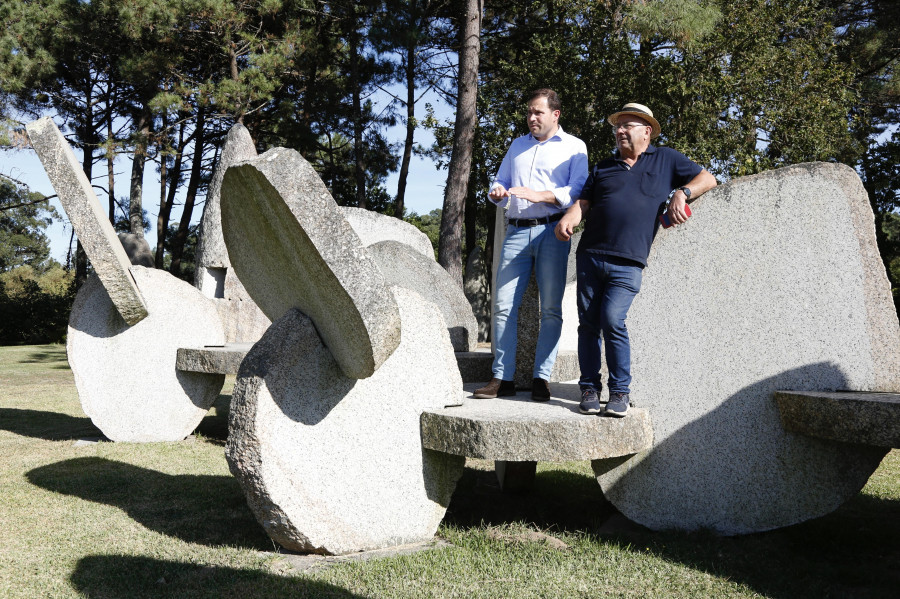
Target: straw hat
x=638, y=110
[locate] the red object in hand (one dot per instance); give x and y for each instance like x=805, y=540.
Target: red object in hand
x=664, y=217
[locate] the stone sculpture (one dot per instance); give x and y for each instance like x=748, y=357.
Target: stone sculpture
x=403, y=266
x=757, y=292
x=127, y=322
x=242, y=319
x=292, y=248
x=373, y=227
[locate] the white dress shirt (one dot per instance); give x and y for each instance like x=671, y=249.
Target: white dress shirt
x=559, y=164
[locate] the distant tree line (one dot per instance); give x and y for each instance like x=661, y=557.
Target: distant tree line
x=741, y=86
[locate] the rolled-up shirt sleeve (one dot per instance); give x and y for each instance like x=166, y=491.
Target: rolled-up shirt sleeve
x=578, y=174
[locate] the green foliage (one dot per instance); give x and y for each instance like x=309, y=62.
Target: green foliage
x=23, y=217
x=430, y=224
x=35, y=304
x=188, y=256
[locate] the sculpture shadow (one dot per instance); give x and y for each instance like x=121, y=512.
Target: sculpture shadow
x=129, y=577
x=50, y=426
x=214, y=426
x=47, y=358
x=737, y=452
x=207, y=510
x=559, y=500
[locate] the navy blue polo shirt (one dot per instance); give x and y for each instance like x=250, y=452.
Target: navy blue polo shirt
x=625, y=203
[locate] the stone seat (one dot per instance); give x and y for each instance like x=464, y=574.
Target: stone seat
x=474, y=366
x=517, y=433
x=517, y=429
x=848, y=416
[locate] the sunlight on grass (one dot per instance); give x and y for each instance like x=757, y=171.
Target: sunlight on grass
x=123, y=520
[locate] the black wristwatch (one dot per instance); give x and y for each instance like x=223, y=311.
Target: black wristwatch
x=687, y=192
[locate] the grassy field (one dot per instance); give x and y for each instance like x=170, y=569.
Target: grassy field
x=120, y=520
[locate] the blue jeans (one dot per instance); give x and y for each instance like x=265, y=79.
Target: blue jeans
x=525, y=248
x=606, y=287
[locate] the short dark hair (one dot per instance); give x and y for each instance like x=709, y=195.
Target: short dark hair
x=552, y=98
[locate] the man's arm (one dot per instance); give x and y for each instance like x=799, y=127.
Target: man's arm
x=571, y=219
x=698, y=186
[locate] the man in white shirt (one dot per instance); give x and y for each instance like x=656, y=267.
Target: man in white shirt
x=540, y=176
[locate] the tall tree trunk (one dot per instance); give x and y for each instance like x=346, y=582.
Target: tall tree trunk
x=165, y=208
x=360, y=167
x=191, y=195
x=135, y=201
x=450, y=243
x=399, y=207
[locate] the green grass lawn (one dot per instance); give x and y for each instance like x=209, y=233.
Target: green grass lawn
x=122, y=520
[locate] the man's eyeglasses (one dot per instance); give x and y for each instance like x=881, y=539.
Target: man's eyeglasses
x=627, y=126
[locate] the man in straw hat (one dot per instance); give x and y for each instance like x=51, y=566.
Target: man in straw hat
x=622, y=199
x=540, y=176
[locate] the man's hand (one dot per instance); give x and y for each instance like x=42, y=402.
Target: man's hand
x=498, y=193
x=566, y=226
x=676, y=211
x=535, y=197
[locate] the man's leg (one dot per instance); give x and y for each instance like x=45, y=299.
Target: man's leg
x=513, y=273
x=624, y=282
x=590, y=288
x=551, y=259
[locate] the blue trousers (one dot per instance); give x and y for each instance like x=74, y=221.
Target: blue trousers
x=606, y=288
x=525, y=248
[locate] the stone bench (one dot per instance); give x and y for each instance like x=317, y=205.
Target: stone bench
x=846, y=416
x=517, y=433
x=474, y=366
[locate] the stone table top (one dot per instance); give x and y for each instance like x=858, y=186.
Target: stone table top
x=517, y=429
x=848, y=416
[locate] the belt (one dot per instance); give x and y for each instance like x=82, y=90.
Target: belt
x=533, y=222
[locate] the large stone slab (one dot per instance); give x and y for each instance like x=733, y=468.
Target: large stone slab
x=850, y=417
x=404, y=266
x=331, y=464
x=242, y=319
x=88, y=219
x=291, y=247
x=373, y=227
x=516, y=429
x=774, y=283
x=125, y=374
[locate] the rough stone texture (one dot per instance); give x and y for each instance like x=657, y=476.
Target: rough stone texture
x=372, y=227
x=516, y=429
x=291, y=247
x=88, y=219
x=330, y=464
x=126, y=376
x=241, y=317
x=219, y=360
x=137, y=249
x=403, y=266
x=774, y=283
x=475, y=285
x=850, y=417
x=475, y=366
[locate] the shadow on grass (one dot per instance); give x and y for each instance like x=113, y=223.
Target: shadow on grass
x=127, y=577
x=52, y=358
x=850, y=553
x=560, y=500
x=208, y=510
x=214, y=425
x=50, y=426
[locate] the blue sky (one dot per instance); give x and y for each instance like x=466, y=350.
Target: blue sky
x=424, y=190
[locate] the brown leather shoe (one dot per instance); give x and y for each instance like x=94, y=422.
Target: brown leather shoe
x=540, y=390
x=496, y=388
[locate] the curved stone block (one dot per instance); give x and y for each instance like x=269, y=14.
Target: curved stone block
x=774, y=283
x=291, y=247
x=91, y=224
x=242, y=319
x=126, y=376
x=403, y=266
x=330, y=464
x=373, y=227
